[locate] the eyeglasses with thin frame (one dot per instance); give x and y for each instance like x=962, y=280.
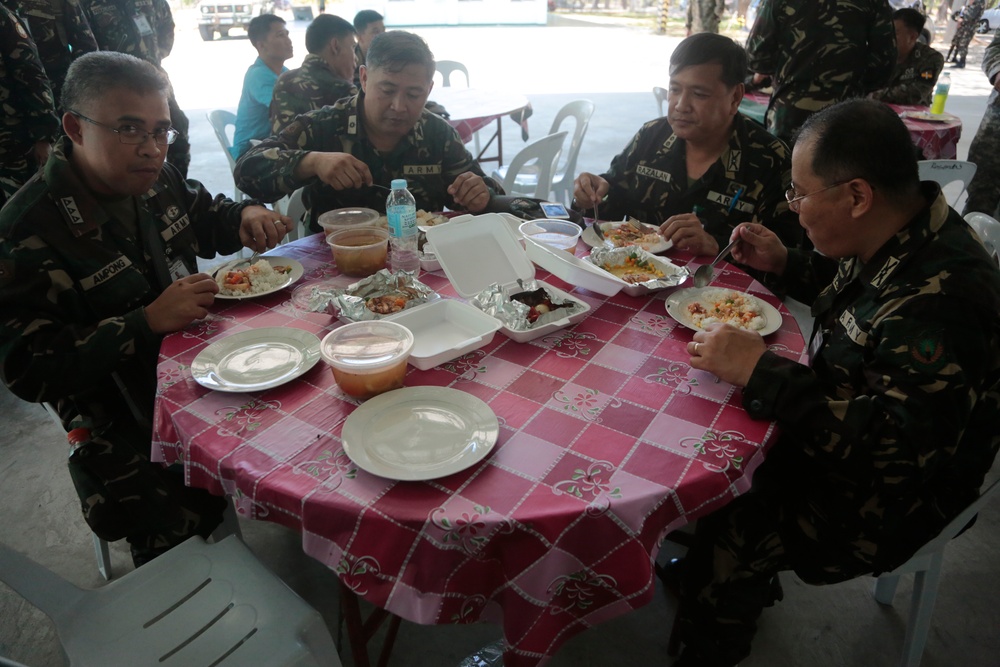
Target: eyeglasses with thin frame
x=130, y=134
x=793, y=198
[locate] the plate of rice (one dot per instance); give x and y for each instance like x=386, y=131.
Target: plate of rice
x=267, y=275
x=697, y=307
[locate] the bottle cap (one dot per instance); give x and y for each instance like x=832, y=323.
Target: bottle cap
x=78, y=436
x=398, y=184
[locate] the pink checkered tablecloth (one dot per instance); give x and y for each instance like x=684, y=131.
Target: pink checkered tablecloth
x=608, y=441
x=937, y=140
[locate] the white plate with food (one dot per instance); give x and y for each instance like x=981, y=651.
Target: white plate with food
x=697, y=307
x=420, y=433
x=266, y=276
x=256, y=360
x=425, y=220
x=621, y=234
x=927, y=116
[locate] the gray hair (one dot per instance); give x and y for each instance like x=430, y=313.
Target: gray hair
x=92, y=75
x=396, y=49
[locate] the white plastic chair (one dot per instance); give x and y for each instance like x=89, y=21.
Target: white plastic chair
x=580, y=112
x=196, y=605
x=538, y=158
x=987, y=228
x=661, y=95
x=448, y=67
x=946, y=172
x=221, y=120
x=296, y=210
x=926, y=566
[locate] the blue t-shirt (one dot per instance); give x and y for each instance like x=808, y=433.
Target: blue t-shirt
x=253, y=115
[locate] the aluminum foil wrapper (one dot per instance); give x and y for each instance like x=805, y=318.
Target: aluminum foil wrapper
x=673, y=275
x=496, y=301
x=350, y=302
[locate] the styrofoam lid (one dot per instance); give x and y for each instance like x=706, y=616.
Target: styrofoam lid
x=572, y=269
x=364, y=347
x=479, y=253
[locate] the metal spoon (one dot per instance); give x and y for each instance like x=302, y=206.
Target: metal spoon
x=704, y=275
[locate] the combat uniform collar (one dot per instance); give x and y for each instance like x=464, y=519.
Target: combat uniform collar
x=731, y=158
x=80, y=209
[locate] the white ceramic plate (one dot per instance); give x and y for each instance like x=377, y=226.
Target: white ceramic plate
x=256, y=360
x=590, y=237
x=927, y=116
x=678, y=302
x=419, y=433
x=273, y=260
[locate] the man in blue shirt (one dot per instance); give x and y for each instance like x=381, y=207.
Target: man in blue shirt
x=269, y=36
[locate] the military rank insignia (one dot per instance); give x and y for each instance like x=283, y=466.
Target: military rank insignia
x=927, y=75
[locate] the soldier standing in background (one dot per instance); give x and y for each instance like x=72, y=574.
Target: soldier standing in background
x=817, y=53
x=984, y=152
x=61, y=32
x=144, y=29
x=917, y=65
x=29, y=124
x=970, y=16
x=704, y=15
x=324, y=77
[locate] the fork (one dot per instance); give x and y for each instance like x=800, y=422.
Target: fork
x=230, y=266
x=634, y=224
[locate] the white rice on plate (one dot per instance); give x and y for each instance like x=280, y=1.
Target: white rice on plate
x=727, y=306
x=251, y=280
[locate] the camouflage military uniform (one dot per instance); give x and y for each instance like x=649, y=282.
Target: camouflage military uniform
x=430, y=157
x=144, y=29
x=885, y=438
x=648, y=180
x=74, y=279
x=966, y=31
x=704, y=15
x=25, y=97
x=912, y=82
x=359, y=60
x=819, y=52
x=312, y=86
x=61, y=33
x=984, y=152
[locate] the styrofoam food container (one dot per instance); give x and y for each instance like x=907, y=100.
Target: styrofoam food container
x=444, y=330
x=485, y=251
x=368, y=358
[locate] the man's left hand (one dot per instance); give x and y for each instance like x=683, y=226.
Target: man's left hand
x=729, y=353
x=261, y=228
x=686, y=232
x=470, y=192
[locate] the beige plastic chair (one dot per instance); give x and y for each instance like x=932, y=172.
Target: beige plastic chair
x=221, y=120
x=946, y=172
x=580, y=112
x=661, y=95
x=448, y=67
x=196, y=605
x=538, y=158
x=926, y=566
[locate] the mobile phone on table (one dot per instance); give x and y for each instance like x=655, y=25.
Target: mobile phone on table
x=554, y=210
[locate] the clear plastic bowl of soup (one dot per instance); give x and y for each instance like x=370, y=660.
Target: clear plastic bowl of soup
x=560, y=234
x=359, y=251
x=347, y=218
x=368, y=358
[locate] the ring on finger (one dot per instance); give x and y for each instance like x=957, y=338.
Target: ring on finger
x=696, y=346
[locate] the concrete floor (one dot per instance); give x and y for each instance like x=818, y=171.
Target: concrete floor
x=835, y=626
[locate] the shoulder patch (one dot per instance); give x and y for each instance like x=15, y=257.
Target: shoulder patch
x=72, y=211
x=927, y=351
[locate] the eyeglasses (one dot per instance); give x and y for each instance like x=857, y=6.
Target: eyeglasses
x=793, y=198
x=130, y=134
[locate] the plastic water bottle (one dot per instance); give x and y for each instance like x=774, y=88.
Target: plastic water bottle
x=941, y=92
x=401, y=209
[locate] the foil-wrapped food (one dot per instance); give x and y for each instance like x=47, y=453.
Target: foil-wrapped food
x=638, y=267
x=372, y=298
x=529, y=306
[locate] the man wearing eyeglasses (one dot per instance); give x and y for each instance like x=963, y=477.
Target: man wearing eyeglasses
x=97, y=263
x=889, y=430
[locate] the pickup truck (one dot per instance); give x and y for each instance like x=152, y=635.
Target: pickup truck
x=220, y=16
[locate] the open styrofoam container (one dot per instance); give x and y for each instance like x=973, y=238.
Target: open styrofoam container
x=484, y=251
x=444, y=330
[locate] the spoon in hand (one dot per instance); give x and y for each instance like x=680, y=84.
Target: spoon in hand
x=703, y=276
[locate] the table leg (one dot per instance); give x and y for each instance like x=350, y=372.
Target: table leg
x=360, y=630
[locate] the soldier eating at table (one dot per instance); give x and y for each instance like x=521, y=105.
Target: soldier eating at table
x=97, y=263
x=341, y=152
x=888, y=432
x=704, y=154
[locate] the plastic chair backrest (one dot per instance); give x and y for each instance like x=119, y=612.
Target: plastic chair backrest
x=295, y=210
x=661, y=96
x=543, y=153
x=987, y=228
x=581, y=112
x=448, y=67
x=196, y=605
x=946, y=172
x=221, y=119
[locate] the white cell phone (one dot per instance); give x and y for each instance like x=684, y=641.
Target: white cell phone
x=554, y=210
